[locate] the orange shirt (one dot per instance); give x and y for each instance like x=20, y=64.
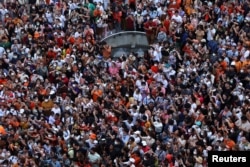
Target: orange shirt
x=71, y=40
x=47, y=105
x=24, y=125
x=224, y=65
x=245, y=63
x=96, y=94
x=42, y=92
x=218, y=73
x=136, y=158
x=3, y=81
x=97, y=13
x=14, y=123
x=238, y=65
x=17, y=105
x=68, y=51
x=229, y=143
x=2, y=130
x=32, y=105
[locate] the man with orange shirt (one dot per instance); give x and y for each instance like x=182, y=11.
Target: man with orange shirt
x=223, y=64
x=97, y=12
x=47, y=105
x=96, y=93
x=229, y=142
x=246, y=62
x=237, y=63
x=136, y=157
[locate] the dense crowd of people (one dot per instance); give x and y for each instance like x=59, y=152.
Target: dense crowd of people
x=65, y=101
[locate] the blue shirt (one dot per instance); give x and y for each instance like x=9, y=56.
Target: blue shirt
x=55, y=164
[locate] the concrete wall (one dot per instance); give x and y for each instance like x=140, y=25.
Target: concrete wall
x=130, y=39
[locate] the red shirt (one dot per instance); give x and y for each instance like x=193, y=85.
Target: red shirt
x=149, y=26
x=129, y=23
x=59, y=41
x=117, y=16
x=166, y=24
x=51, y=54
x=65, y=80
x=145, y=149
x=155, y=69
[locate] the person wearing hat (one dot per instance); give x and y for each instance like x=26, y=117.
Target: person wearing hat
x=144, y=146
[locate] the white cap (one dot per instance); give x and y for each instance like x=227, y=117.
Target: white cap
x=203, y=40
x=143, y=143
x=209, y=148
x=21, y=110
x=137, y=132
x=52, y=92
x=132, y=160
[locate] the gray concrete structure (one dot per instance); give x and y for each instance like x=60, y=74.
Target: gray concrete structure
x=128, y=41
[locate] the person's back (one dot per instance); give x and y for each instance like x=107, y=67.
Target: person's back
x=106, y=51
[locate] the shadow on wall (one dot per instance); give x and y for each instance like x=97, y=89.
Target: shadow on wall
x=126, y=42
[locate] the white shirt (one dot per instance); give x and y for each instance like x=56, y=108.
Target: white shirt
x=138, y=83
x=165, y=83
x=156, y=56
x=1, y=51
x=2, y=113
x=137, y=96
x=56, y=110
x=210, y=34
x=246, y=54
x=160, y=11
x=51, y=120
x=158, y=126
x=245, y=126
x=177, y=18
x=49, y=17
x=135, y=116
